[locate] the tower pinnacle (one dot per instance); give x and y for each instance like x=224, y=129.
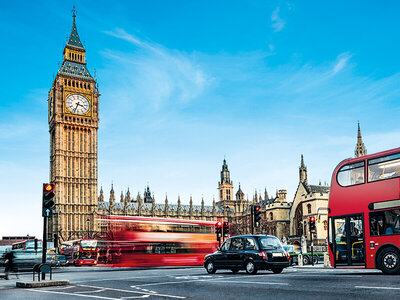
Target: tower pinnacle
x=360, y=148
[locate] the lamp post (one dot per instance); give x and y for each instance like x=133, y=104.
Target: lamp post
x=88, y=226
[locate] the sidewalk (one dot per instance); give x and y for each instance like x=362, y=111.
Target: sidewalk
x=316, y=266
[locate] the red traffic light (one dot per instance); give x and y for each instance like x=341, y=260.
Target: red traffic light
x=49, y=187
x=312, y=219
x=257, y=208
x=218, y=224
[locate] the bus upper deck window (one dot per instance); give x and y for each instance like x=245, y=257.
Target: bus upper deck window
x=384, y=167
x=351, y=174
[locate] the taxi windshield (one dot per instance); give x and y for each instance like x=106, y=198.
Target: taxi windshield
x=270, y=242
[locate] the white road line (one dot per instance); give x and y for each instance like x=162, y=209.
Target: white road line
x=130, y=291
x=377, y=287
x=170, y=282
x=125, y=278
x=211, y=280
x=255, y=282
x=69, y=294
x=95, y=291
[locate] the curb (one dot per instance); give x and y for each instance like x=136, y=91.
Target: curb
x=37, y=284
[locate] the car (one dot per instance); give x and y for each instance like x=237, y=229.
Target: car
x=250, y=253
x=58, y=261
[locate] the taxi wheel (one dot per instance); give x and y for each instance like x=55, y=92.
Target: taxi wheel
x=210, y=267
x=389, y=261
x=250, y=267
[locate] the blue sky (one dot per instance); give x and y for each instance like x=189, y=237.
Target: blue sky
x=185, y=83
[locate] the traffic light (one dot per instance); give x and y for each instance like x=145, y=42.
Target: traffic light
x=218, y=229
x=48, y=199
x=312, y=224
x=257, y=217
x=226, y=229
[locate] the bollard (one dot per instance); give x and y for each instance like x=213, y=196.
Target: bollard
x=327, y=263
x=300, y=260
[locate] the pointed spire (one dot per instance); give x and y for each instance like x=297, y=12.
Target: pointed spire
x=225, y=174
x=112, y=195
x=266, y=197
x=74, y=41
x=360, y=148
x=101, y=196
x=303, y=171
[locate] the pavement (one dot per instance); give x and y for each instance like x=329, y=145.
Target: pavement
x=305, y=282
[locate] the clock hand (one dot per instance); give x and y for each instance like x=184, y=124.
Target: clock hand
x=76, y=106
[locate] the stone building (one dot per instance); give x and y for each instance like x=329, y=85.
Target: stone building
x=309, y=200
x=225, y=209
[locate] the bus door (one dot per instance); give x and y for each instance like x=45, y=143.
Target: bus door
x=349, y=249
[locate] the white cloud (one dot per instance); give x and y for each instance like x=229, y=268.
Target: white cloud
x=156, y=74
x=341, y=62
x=277, y=22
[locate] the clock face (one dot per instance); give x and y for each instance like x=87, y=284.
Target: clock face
x=78, y=104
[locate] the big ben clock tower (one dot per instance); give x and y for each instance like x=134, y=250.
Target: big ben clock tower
x=73, y=124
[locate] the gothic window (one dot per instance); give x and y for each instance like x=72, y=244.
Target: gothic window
x=309, y=208
x=271, y=216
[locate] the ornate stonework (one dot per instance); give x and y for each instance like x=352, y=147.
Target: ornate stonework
x=73, y=123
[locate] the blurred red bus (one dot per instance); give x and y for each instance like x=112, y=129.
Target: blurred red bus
x=364, y=213
x=144, y=242
x=80, y=252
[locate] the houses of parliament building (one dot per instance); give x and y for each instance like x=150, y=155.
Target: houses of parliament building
x=73, y=116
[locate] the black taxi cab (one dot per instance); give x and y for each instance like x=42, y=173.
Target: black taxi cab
x=250, y=253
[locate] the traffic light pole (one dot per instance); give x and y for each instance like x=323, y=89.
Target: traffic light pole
x=252, y=219
x=44, y=244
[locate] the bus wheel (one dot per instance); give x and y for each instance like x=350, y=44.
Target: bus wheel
x=306, y=260
x=315, y=259
x=389, y=261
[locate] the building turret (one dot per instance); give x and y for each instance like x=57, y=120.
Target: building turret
x=166, y=206
x=239, y=194
x=101, y=196
x=303, y=171
x=112, y=198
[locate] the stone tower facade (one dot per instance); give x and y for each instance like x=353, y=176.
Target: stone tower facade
x=225, y=186
x=73, y=124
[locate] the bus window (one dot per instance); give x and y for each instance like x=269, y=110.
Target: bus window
x=385, y=222
x=384, y=167
x=351, y=174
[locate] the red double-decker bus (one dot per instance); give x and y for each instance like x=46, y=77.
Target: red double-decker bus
x=146, y=242
x=364, y=213
x=80, y=252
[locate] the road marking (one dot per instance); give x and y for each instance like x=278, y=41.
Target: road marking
x=209, y=279
x=377, y=287
x=255, y=282
x=95, y=291
x=170, y=282
x=130, y=291
x=69, y=294
x=125, y=278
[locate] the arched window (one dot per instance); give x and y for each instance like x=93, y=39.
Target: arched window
x=309, y=208
x=271, y=216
